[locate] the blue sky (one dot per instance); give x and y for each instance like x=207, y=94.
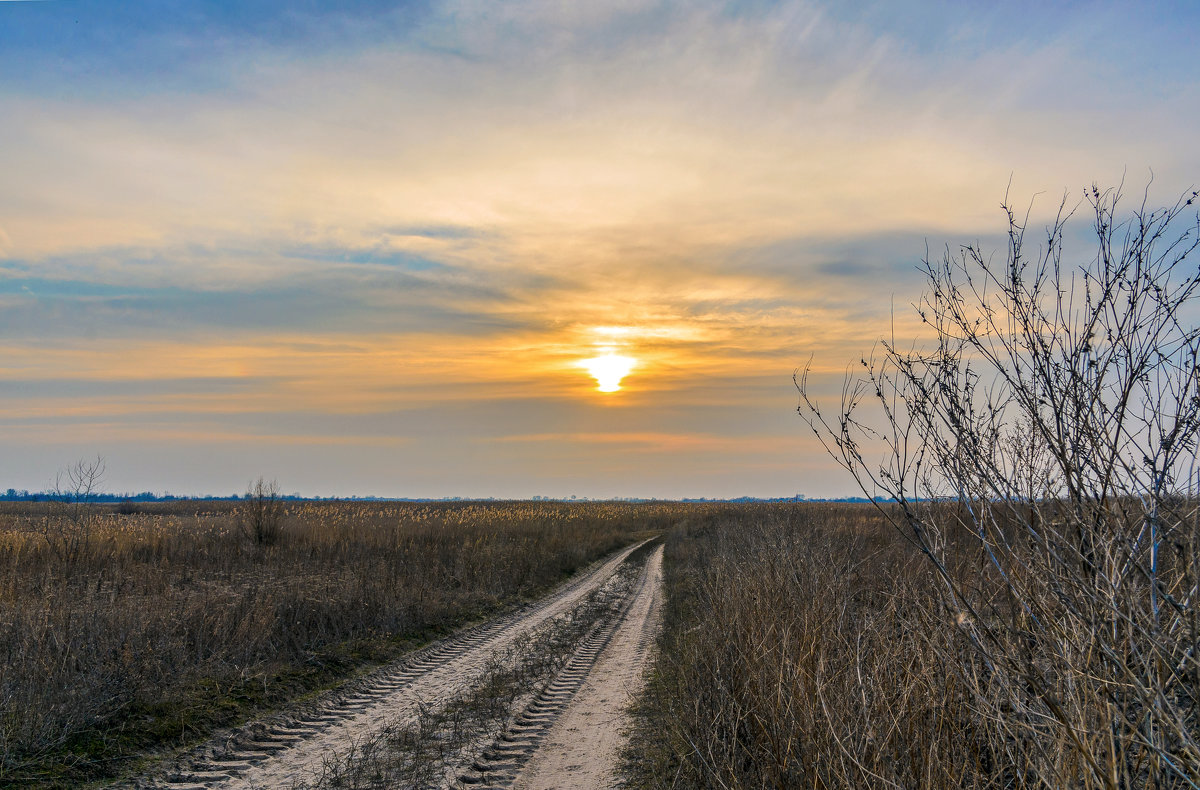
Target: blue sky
x=368, y=247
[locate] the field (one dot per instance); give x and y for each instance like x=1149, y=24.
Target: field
x=125, y=632
x=797, y=653
x=813, y=646
x=800, y=645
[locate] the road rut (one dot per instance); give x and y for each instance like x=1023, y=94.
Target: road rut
x=290, y=750
x=571, y=735
x=581, y=751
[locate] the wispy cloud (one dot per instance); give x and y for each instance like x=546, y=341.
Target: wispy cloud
x=420, y=209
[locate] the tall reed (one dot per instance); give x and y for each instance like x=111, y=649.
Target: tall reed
x=807, y=646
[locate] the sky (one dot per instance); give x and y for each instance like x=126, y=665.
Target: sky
x=369, y=248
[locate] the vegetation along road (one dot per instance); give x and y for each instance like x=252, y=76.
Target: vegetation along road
x=533, y=699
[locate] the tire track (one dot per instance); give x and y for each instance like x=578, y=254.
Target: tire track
x=288, y=749
x=504, y=763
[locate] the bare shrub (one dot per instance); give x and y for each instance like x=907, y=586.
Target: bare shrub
x=1043, y=457
x=260, y=518
x=67, y=525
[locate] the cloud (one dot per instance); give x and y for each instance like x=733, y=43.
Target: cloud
x=653, y=121
x=441, y=208
x=666, y=442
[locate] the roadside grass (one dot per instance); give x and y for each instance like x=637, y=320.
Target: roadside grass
x=446, y=737
x=167, y=623
x=804, y=647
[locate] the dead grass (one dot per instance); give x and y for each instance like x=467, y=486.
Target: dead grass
x=169, y=622
x=447, y=737
x=806, y=646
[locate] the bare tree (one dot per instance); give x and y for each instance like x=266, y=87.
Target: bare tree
x=1042, y=455
x=260, y=517
x=68, y=522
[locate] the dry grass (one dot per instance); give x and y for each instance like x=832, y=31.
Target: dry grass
x=163, y=624
x=805, y=646
x=447, y=737
x=809, y=646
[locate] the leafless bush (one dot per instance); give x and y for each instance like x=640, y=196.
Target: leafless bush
x=260, y=518
x=67, y=525
x=1043, y=457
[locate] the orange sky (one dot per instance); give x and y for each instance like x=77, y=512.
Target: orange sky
x=371, y=251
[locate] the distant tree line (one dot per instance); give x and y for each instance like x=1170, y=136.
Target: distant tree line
x=23, y=495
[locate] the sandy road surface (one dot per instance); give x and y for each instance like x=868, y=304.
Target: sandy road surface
x=580, y=751
x=291, y=749
x=570, y=735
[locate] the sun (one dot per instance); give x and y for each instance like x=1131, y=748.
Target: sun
x=608, y=370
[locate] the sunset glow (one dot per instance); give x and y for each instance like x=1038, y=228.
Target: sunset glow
x=379, y=247
x=608, y=370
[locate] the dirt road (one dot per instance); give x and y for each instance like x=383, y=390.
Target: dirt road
x=581, y=749
x=580, y=711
